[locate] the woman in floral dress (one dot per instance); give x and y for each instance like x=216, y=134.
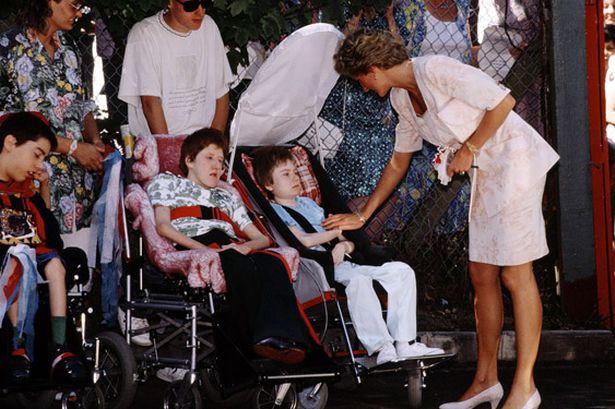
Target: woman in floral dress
x=40, y=71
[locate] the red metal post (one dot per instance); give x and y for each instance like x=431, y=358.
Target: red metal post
x=603, y=223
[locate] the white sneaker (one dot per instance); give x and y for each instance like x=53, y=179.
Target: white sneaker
x=142, y=340
x=405, y=350
x=171, y=375
x=386, y=354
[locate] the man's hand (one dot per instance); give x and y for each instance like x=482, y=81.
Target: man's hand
x=89, y=156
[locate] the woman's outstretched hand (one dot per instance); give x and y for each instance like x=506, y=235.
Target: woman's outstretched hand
x=343, y=221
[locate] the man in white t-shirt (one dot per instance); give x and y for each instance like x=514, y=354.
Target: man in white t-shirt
x=175, y=76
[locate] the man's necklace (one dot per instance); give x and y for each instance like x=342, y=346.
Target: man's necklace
x=169, y=29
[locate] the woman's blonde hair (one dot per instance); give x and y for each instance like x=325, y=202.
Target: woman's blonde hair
x=363, y=49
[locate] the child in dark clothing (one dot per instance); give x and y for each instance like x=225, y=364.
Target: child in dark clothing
x=30, y=244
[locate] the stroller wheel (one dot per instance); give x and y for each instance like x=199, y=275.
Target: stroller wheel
x=36, y=400
x=118, y=368
x=264, y=398
x=318, y=401
x=90, y=397
x=415, y=388
x=174, y=398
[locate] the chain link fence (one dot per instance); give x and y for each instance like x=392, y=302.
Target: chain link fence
x=424, y=221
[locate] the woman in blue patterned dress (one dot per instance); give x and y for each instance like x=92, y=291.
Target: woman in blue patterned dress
x=40, y=71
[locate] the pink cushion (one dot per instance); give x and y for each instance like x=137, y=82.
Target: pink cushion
x=309, y=183
x=202, y=268
x=169, y=149
x=156, y=154
x=145, y=165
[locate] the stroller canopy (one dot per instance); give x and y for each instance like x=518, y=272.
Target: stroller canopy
x=289, y=90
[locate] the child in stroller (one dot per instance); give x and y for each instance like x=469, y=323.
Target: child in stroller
x=194, y=213
x=275, y=171
x=30, y=244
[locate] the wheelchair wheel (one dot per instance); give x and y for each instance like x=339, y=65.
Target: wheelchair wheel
x=415, y=389
x=118, y=369
x=318, y=401
x=264, y=398
x=192, y=399
x=36, y=400
x=87, y=398
x=210, y=388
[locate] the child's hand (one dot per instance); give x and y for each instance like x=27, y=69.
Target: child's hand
x=240, y=248
x=338, y=253
x=40, y=175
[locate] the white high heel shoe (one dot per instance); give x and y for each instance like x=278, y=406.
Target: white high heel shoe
x=493, y=395
x=533, y=402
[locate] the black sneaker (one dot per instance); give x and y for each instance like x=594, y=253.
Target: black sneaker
x=68, y=369
x=20, y=366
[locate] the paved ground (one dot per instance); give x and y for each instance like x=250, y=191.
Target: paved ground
x=562, y=387
x=565, y=387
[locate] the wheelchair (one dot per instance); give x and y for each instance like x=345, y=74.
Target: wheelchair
x=324, y=302
x=41, y=392
x=182, y=295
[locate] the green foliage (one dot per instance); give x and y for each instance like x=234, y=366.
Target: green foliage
x=240, y=21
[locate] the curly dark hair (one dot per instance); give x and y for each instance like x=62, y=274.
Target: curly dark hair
x=34, y=14
x=364, y=49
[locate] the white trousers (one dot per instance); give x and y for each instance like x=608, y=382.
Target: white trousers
x=365, y=311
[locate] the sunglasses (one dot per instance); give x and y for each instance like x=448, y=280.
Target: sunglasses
x=191, y=5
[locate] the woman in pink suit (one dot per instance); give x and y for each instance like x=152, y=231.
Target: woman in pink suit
x=463, y=111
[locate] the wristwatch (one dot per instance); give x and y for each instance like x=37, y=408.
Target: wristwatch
x=73, y=147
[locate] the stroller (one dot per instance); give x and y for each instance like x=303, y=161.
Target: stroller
x=182, y=295
x=302, y=66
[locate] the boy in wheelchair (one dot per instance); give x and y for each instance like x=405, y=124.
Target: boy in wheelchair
x=30, y=245
x=194, y=213
x=275, y=172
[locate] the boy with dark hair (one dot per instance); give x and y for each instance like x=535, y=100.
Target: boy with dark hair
x=30, y=244
x=275, y=171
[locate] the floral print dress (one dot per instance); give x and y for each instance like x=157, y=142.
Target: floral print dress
x=30, y=80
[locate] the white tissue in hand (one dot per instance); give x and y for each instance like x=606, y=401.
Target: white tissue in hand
x=440, y=163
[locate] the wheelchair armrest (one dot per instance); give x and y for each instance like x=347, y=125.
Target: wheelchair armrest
x=76, y=264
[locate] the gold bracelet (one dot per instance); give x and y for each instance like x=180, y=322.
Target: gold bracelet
x=362, y=218
x=472, y=148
